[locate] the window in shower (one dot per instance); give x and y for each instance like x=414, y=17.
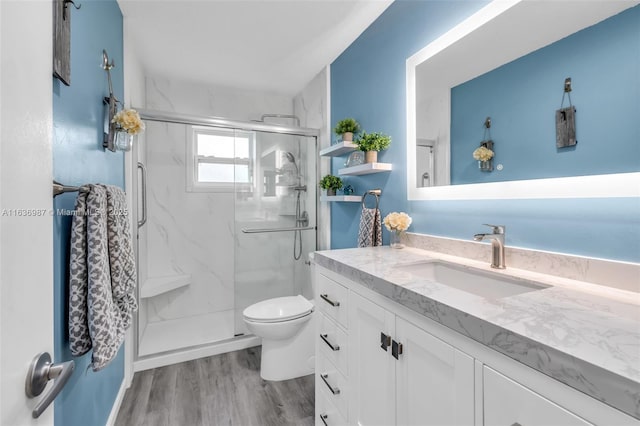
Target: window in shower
x=219, y=160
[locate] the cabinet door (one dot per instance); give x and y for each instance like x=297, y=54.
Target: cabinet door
x=509, y=403
x=371, y=368
x=435, y=381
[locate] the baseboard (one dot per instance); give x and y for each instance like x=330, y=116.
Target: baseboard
x=161, y=360
x=116, y=404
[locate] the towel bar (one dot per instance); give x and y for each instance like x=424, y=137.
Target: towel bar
x=59, y=188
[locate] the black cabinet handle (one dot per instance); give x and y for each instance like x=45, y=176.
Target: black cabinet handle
x=323, y=417
x=385, y=341
x=325, y=297
x=333, y=390
x=333, y=347
x=396, y=349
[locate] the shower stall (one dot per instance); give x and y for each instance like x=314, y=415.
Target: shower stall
x=227, y=214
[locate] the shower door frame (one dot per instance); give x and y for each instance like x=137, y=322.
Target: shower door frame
x=216, y=122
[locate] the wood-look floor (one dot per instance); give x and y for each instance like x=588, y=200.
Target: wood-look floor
x=219, y=390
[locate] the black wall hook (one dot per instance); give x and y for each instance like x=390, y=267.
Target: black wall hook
x=65, y=3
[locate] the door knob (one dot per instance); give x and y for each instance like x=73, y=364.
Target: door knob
x=41, y=370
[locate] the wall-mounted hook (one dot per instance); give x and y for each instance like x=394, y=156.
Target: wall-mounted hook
x=105, y=61
x=487, y=122
x=112, y=106
x=567, y=85
x=65, y=3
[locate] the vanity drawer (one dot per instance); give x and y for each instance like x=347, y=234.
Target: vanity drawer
x=327, y=413
x=333, y=299
x=509, y=403
x=332, y=341
x=333, y=384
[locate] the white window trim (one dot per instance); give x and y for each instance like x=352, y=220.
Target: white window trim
x=192, y=161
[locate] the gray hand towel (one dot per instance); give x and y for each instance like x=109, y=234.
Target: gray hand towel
x=370, y=232
x=102, y=275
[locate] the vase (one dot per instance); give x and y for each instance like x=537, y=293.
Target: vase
x=347, y=137
x=123, y=141
x=396, y=239
x=485, y=166
x=331, y=192
x=371, y=156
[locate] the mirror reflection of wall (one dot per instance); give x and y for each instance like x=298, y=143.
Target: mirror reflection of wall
x=425, y=161
x=522, y=96
x=603, y=62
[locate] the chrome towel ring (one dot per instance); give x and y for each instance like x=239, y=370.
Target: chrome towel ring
x=374, y=192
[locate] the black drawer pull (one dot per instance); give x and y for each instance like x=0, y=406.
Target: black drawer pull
x=323, y=417
x=333, y=390
x=325, y=297
x=326, y=340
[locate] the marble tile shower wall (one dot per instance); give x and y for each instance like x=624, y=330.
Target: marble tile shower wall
x=311, y=105
x=195, y=233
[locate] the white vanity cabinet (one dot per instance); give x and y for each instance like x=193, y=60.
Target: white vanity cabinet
x=400, y=374
x=332, y=349
x=507, y=402
x=371, y=366
x=434, y=380
x=396, y=373
x=386, y=365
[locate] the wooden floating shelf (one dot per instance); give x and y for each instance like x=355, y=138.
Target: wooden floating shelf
x=338, y=149
x=342, y=198
x=159, y=285
x=365, y=169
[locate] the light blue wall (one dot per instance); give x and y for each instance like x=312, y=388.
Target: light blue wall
x=368, y=83
x=78, y=158
x=521, y=97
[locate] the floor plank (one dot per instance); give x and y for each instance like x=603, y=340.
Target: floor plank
x=224, y=389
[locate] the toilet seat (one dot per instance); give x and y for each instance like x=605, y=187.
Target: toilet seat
x=279, y=309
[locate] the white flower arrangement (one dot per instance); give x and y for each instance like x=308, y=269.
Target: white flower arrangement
x=129, y=120
x=397, y=221
x=482, y=153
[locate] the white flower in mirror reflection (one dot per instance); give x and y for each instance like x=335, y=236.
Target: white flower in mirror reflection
x=482, y=154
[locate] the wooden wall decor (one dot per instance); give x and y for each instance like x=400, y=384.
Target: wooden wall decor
x=62, y=40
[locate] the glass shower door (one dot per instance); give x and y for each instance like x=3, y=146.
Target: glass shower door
x=275, y=219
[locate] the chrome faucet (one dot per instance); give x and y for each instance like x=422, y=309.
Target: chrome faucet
x=497, y=244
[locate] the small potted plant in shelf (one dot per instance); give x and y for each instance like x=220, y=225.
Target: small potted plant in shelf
x=371, y=143
x=331, y=184
x=346, y=128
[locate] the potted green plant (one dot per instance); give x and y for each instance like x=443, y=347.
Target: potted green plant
x=331, y=184
x=371, y=143
x=346, y=128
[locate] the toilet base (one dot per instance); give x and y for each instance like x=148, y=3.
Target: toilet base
x=289, y=358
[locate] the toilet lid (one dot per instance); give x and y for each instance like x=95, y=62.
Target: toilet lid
x=279, y=309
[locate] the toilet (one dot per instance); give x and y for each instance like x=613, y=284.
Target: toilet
x=286, y=329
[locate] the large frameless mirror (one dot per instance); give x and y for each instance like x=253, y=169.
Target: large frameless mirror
x=488, y=58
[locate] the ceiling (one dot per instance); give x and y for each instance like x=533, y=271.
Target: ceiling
x=268, y=45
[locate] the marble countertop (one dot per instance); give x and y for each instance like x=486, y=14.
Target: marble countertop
x=584, y=335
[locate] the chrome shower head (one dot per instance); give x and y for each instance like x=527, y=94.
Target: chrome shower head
x=290, y=157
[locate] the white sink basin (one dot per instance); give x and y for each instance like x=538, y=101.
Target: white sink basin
x=479, y=282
